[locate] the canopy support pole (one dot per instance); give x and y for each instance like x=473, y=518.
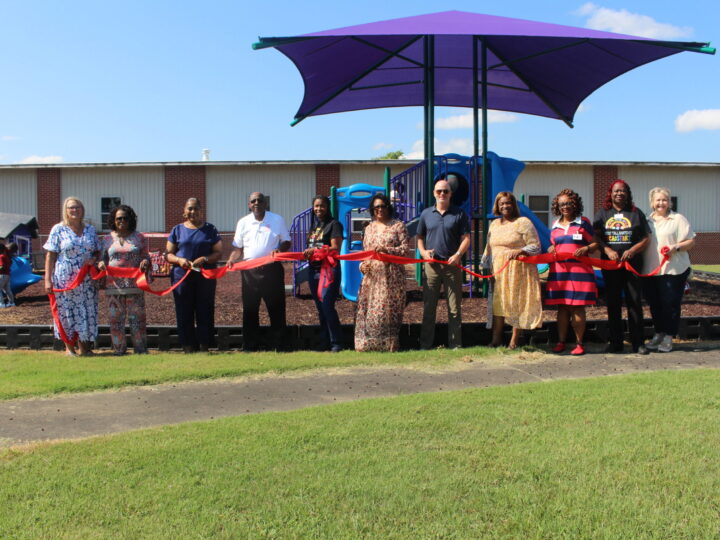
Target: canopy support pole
x=477, y=202
x=429, y=116
x=485, y=175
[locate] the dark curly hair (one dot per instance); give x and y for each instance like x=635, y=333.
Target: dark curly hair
x=385, y=199
x=575, y=199
x=132, y=217
x=607, y=205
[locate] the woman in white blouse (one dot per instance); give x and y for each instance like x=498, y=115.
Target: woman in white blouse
x=664, y=291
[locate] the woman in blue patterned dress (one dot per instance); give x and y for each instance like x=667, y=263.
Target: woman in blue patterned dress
x=71, y=245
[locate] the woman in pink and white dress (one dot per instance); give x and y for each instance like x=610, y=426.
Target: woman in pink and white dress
x=124, y=247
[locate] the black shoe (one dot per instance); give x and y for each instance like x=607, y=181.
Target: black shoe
x=335, y=348
x=641, y=350
x=614, y=348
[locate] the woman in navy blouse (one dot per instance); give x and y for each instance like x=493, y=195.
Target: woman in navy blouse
x=192, y=245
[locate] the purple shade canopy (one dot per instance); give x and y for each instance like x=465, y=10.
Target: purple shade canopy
x=532, y=67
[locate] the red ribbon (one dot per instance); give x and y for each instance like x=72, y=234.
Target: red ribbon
x=603, y=264
x=328, y=259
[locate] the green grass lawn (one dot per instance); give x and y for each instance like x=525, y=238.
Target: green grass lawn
x=707, y=267
x=621, y=457
x=32, y=373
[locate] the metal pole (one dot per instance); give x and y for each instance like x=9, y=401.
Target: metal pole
x=333, y=201
x=476, y=152
x=386, y=181
x=485, y=175
x=429, y=115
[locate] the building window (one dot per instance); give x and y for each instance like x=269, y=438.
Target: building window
x=540, y=205
x=106, y=206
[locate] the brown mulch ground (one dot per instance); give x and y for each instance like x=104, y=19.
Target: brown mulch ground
x=703, y=299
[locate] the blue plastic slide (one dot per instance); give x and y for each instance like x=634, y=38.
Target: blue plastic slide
x=21, y=275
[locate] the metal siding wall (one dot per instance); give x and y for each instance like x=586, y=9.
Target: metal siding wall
x=368, y=174
x=290, y=190
x=18, y=192
x=549, y=180
x=697, y=190
x=142, y=188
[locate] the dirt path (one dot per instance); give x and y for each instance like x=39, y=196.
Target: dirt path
x=83, y=415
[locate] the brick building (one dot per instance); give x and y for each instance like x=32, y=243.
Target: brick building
x=157, y=191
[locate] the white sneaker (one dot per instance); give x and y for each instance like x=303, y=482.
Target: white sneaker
x=654, y=343
x=666, y=345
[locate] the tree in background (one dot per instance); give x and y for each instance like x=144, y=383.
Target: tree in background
x=397, y=154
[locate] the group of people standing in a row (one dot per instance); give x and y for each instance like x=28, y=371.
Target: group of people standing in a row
x=619, y=231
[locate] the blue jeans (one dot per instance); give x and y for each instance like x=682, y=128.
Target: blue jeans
x=664, y=296
x=329, y=320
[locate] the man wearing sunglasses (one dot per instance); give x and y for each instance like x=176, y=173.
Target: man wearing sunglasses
x=443, y=234
x=258, y=234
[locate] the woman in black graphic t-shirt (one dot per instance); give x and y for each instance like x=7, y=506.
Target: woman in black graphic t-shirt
x=325, y=231
x=622, y=232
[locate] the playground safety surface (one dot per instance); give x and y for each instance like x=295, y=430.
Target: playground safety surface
x=100, y=413
x=703, y=299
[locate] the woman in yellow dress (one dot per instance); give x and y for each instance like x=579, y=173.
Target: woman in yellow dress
x=516, y=292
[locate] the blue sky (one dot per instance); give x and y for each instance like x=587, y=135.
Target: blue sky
x=99, y=81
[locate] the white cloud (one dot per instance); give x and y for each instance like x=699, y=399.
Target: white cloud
x=7, y=138
x=452, y=146
x=465, y=120
x=382, y=146
x=698, y=119
x=583, y=108
x=40, y=159
x=624, y=22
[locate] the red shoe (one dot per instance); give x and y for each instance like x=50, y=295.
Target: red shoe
x=560, y=347
x=578, y=350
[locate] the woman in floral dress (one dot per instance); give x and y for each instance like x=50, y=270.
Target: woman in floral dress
x=516, y=293
x=381, y=300
x=124, y=247
x=71, y=245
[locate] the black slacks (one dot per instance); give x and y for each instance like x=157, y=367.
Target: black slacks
x=195, y=310
x=265, y=283
x=617, y=283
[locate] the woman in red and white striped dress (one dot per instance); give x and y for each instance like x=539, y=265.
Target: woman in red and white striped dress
x=571, y=284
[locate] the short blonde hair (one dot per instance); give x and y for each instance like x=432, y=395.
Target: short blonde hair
x=665, y=191
x=65, y=219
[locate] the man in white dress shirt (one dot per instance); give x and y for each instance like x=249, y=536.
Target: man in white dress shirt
x=258, y=234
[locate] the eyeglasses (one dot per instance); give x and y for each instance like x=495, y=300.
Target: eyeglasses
x=379, y=206
x=74, y=207
x=442, y=191
x=566, y=204
x=253, y=201
x=122, y=218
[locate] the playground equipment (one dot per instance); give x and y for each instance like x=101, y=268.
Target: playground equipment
x=409, y=192
x=21, y=275
x=351, y=204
